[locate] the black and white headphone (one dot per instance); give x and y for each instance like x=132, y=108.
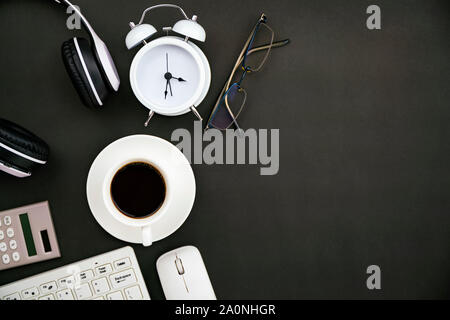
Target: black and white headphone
x=94, y=76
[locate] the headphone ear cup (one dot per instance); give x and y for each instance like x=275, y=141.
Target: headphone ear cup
x=22, y=140
x=84, y=72
x=20, y=148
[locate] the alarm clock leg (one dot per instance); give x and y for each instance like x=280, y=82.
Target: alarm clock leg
x=194, y=111
x=150, y=115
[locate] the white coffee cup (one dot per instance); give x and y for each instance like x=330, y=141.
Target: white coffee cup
x=145, y=223
x=178, y=178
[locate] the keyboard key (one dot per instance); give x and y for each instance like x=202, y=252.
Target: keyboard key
x=102, y=270
x=122, y=263
x=30, y=293
x=6, y=259
x=85, y=275
x=65, y=294
x=47, y=297
x=83, y=292
x=7, y=220
x=100, y=285
x=122, y=279
x=3, y=247
x=133, y=293
x=14, y=296
x=48, y=287
x=115, y=296
x=16, y=256
x=13, y=244
x=10, y=232
x=67, y=282
x=62, y=282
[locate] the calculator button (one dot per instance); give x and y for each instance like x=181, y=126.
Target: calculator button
x=6, y=259
x=47, y=297
x=48, y=287
x=13, y=244
x=3, y=247
x=16, y=256
x=103, y=269
x=122, y=263
x=122, y=279
x=7, y=220
x=100, y=285
x=30, y=293
x=133, y=293
x=85, y=275
x=83, y=291
x=65, y=294
x=115, y=296
x=2, y=235
x=10, y=232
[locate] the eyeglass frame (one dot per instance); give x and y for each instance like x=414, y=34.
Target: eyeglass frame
x=246, y=51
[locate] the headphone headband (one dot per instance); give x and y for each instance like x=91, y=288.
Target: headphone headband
x=100, y=49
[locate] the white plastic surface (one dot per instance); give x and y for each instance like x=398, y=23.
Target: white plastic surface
x=101, y=51
x=191, y=29
x=186, y=60
x=138, y=34
x=183, y=275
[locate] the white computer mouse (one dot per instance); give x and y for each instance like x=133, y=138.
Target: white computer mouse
x=183, y=275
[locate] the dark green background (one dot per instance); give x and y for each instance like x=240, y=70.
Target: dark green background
x=364, y=124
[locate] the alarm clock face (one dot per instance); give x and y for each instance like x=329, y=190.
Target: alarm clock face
x=168, y=76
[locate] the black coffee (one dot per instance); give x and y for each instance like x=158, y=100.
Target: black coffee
x=138, y=190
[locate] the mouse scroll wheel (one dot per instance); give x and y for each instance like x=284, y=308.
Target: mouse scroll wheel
x=179, y=265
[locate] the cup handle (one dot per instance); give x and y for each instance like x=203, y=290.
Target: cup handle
x=147, y=237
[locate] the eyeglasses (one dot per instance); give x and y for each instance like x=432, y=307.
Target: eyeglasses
x=233, y=96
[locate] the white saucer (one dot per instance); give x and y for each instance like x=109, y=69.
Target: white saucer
x=167, y=157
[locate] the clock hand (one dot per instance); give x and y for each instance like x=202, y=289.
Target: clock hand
x=168, y=75
x=167, y=62
x=166, y=92
x=170, y=87
x=179, y=79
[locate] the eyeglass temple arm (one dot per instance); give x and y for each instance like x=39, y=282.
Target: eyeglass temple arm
x=274, y=45
x=277, y=44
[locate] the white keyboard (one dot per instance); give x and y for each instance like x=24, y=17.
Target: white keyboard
x=111, y=276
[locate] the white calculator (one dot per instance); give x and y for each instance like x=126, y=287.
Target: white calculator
x=27, y=236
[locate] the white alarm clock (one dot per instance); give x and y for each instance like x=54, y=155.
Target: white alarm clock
x=169, y=75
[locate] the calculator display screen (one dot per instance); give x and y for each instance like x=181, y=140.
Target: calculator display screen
x=46, y=241
x=28, y=235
